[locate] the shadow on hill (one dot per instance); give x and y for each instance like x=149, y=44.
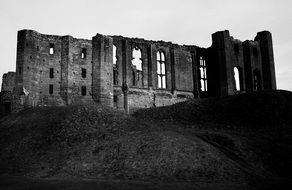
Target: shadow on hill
x=261, y=120
x=257, y=109
x=239, y=139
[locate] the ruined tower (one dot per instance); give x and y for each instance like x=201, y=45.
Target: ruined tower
x=132, y=73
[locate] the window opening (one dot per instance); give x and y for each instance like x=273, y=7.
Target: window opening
x=83, y=90
x=83, y=73
x=114, y=54
x=161, y=77
x=51, y=49
x=115, y=98
x=203, y=75
x=137, y=58
x=237, y=79
x=51, y=73
x=51, y=89
x=83, y=53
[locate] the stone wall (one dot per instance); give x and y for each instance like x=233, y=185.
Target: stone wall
x=142, y=90
x=252, y=63
x=50, y=67
x=34, y=63
x=254, y=59
x=8, y=81
x=102, y=68
x=62, y=70
x=80, y=60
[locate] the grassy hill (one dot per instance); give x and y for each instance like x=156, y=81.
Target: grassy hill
x=242, y=139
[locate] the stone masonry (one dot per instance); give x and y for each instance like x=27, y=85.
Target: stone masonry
x=61, y=70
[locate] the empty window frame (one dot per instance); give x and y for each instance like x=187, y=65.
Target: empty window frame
x=52, y=46
x=83, y=73
x=83, y=90
x=114, y=54
x=51, y=73
x=203, y=74
x=83, y=53
x=161, y=76
x=115, y=69
x=237, y=78
x=51, y=89
x=137, y=58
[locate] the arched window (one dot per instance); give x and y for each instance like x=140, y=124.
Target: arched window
x=161, y=77
x=257, y=80
x=137, y=58
x=203, y=75
x=237, y=78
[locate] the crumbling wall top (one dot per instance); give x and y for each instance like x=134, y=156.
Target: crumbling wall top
x=8, y=81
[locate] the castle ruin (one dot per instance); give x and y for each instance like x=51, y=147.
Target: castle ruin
x=132, y=73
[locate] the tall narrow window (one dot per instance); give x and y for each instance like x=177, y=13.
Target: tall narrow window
x=83, y=90
x=237, y=78
x=19, y=70
x=83, y=73
x=203, y=75
x=51, y=89
x=161, y=77
x=51, y=49
x=115, y=69
x=137, y=58
x=137, y=67
x=115, y=98
x=114, y=54
x=51, y=73
x=83, y=53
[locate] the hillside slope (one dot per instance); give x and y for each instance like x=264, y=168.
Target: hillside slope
x=262, y=121
x=262, y=109
x=238, y=139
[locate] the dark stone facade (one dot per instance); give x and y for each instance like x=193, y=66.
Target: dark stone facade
x=62, y=70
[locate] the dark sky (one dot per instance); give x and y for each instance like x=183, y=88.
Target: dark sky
x=180, y=21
